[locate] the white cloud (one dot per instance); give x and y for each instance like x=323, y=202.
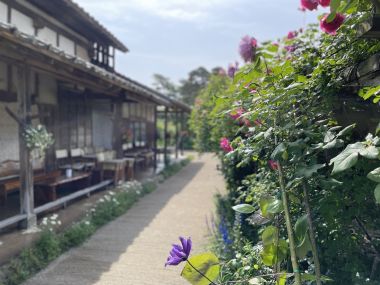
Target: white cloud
x=184, y=10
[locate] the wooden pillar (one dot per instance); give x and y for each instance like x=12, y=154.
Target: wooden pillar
x=182, y=132
x=176, y=134
x=26, y=168
x=117, y=128
x=155, y=138
x=166, y=161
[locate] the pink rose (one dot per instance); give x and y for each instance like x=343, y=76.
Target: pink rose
x=334, y=25
x=292, y=35
x=324, y=3
x=273, y=164
x=237, y=113
x=309, y=4
x=225, y=145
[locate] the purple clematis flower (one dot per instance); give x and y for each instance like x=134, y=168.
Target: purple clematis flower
x=179, y=253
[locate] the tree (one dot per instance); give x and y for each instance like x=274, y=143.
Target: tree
x=196, y=81
x=165, y=86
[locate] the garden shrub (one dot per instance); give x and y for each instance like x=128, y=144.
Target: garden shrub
x=303, y=183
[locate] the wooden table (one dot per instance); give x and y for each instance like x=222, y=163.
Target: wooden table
x=51, y=185
x=114, y=168
x=13, y=183
x=130, y=168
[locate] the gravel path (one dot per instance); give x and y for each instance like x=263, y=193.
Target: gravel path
x=132, y=250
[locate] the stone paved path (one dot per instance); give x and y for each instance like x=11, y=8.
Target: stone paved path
x=132, y=250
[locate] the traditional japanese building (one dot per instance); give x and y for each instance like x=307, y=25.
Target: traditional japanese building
x=57, y=69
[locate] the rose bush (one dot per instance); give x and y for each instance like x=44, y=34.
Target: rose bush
x=302, y=202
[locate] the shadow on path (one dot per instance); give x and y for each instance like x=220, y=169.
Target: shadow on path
x=86, y=265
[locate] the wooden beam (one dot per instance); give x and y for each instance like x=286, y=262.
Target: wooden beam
x=166, y=159
x=182, y=130
x=155, y=138
x=117, y=128
x=176, y=134
x=26, y=168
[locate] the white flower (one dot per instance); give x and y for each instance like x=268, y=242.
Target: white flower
x=53, y=222
x=54, y=217
x=87, y=223
x=357, y=274
x=101, y=200
x=59, y=223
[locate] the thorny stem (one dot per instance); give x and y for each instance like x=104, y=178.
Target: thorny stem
x=312, y=234
x=292, y=244
x=211, y=282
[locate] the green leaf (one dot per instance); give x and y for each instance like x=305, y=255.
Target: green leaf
x=346, y=130
x=274, y=253
x=347, y=158
x=370, y=152
x=334, y=5
x=334, y=144
x=269, y=235
x=278, y=151
x=275, y=207
x=367, y=93
x=329, y=136
x=374, y=175
x=300, y=228
x=282, y=279
x=308, y=171
x=331, y=16
x=377, y=194
x=244, y=208
x=207, y=264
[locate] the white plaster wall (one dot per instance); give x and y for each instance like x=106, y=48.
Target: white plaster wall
x=3, y=12
x=9, y=148
x=48, y=89
x=66, y=45
x=22, y=22
x=82, y=53
x=3, y=76
x=125, y=111
x=48, y=36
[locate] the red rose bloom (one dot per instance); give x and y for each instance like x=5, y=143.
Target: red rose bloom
x=334, y=25
x=273, y=164
x=309, y=4
x=324, y=3
x=225, y=145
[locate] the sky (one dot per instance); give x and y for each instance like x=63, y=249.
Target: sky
x=173, y=37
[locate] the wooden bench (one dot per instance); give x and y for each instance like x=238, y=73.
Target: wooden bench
x=47, y=188
x=12, y=183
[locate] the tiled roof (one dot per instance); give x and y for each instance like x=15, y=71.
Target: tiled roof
x=76, y=12
x=117, y=79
